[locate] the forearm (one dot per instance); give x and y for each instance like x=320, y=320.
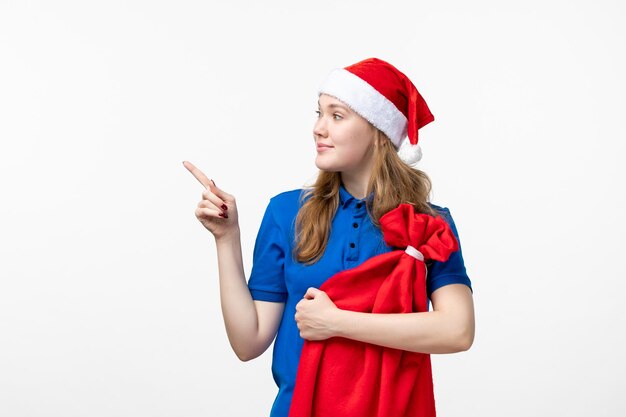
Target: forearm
x=426, y=332
x=238, y=309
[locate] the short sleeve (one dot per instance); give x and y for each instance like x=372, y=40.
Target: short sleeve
x=451, y=271
x=267, y=278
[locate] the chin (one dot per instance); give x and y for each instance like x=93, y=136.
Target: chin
x=325, y=166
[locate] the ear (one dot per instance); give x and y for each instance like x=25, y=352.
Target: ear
x=376, y=137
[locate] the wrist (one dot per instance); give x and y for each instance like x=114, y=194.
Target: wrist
x=341, y=317
x=233, y=236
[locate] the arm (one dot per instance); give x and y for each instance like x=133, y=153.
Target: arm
x=448, y=328
x=250, y=325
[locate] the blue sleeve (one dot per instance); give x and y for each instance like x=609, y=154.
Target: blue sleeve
x=267, y=278
x=451, y=271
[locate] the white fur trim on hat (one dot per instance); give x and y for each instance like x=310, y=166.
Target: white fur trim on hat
x=367, y=102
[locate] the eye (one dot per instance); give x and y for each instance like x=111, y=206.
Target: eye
x=319, y=113
x=337, y=116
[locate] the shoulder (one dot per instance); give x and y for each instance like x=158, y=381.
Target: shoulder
x=286, y=201
x=445, y=211
x=284, y=206
x=287, y=197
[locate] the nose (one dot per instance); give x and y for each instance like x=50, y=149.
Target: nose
x=319, y=128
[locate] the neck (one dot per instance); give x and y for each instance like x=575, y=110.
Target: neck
x=355, y=181
x=355, y=185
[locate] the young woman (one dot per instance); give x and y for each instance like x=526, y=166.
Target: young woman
x=365, y=112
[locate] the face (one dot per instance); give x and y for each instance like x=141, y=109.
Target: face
x=348, y=136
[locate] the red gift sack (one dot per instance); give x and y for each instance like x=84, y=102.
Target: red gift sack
x=340, y=377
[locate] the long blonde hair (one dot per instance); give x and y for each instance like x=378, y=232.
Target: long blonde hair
x=392, y=181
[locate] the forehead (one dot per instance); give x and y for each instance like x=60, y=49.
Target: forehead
x=329, y=101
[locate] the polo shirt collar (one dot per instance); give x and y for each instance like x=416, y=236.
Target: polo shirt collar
x=345, y=197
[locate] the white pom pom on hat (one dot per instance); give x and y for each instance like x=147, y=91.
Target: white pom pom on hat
x=409, y=153
x=385, y=97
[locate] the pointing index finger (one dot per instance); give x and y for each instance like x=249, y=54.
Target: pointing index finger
x=204, y=180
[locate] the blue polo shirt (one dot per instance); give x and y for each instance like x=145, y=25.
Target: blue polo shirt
x=277, y=277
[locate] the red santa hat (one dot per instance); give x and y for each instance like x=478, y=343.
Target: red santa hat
x=385, y=97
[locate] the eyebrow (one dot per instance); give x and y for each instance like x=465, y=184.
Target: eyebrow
x=335, y=105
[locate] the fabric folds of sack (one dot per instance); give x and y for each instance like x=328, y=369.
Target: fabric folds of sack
x=350, y=378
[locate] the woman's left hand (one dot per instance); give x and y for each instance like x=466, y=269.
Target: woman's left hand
x=316, y=315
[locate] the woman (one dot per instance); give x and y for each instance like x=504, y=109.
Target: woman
x=307, y=235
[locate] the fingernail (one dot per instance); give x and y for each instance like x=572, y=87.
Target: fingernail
x=213, y=182
x=224, y=207
x=221, y=214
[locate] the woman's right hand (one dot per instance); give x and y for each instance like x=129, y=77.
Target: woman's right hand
x=217, y=211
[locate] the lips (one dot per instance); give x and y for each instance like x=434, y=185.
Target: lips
x=323, y=146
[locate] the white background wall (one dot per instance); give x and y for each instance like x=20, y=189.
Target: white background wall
x=109, y=301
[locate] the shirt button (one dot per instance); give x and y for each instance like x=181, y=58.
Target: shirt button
x=352, y=244
x=355, y=225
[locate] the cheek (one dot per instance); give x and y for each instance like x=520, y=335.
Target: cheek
x=347, y=138
x=348, y=155
x=356, y=145
x=351, y=142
